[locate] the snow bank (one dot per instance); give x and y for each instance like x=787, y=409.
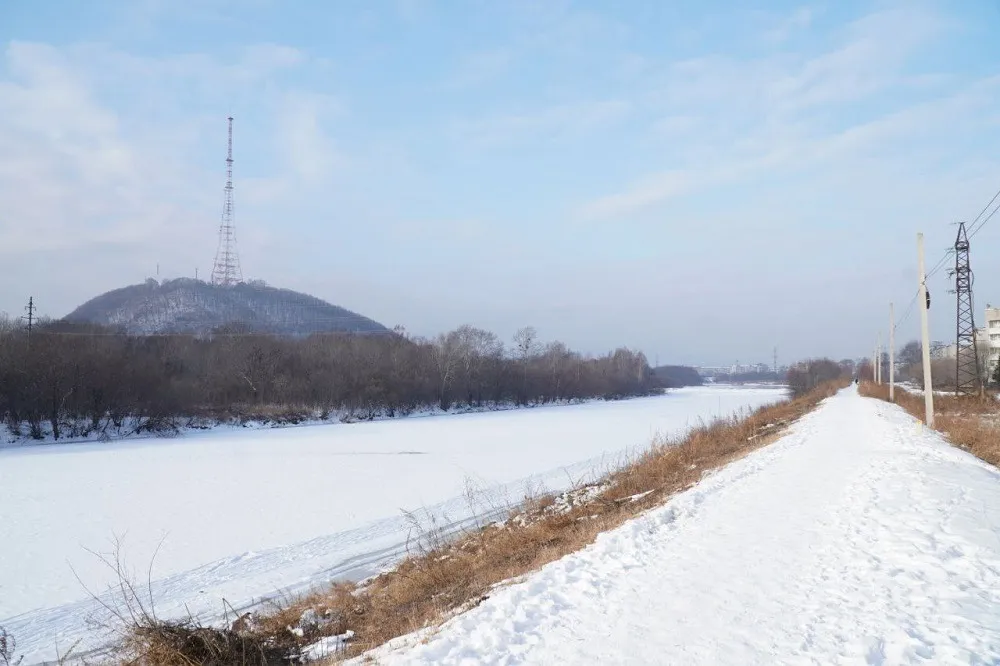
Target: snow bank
x=857, y=538
x=239, y=515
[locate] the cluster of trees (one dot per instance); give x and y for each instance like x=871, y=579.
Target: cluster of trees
x=72, y=379
x=807, y=375
x=676, y=376
x=944, y=372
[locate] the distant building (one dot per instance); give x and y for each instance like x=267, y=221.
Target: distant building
x=940, y=350
x=993, y=331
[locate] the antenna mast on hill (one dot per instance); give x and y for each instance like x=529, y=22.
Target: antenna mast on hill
x=30, y=309
x=226, y=271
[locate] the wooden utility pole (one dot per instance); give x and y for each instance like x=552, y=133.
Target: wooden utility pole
x=878, y=358
x=924, y=304
x=892, y=354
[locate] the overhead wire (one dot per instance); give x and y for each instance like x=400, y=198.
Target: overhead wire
x=985, y=208
x=909, y=309
x=982, y=224
x=975, y=227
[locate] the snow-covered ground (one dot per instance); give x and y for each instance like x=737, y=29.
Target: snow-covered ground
x=246, y=514
x=858, y=538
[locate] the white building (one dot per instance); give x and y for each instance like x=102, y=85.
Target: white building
x=993, y=331
x=940, y=350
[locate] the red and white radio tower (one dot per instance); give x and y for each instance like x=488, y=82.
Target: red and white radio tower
x=226, y=271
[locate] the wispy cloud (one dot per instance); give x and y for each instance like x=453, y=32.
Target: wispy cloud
x=800, y=19
x=303, y=137
x=482, y=67
x=542, y=124
x=737, y=117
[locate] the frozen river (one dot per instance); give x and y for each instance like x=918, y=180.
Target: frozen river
x=241, y=514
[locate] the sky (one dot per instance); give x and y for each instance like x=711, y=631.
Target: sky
x=701, y=181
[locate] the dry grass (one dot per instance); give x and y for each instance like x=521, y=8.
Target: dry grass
x=187, y=644
x=445, y=577
x=971, y=423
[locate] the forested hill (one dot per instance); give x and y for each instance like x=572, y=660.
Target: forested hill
x=192, y=306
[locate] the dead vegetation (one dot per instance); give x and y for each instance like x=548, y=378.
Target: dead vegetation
x=8, y=650
x=445, y=574
x=970, y=422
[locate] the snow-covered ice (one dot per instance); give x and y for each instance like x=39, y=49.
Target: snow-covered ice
x=246, y=514
x=858, y=538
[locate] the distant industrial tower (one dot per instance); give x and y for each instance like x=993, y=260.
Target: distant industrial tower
x=967, y=377
x=226, y=271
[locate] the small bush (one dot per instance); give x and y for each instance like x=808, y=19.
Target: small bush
x=186, y=643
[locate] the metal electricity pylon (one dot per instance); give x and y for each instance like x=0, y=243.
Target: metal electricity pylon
x=968, y=380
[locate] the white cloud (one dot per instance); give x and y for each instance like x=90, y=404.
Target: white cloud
x=302, y=138
x=59, y=154
x=546, y=123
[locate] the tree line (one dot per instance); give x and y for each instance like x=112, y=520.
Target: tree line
x=83, y=380
x=674, y=376
x=807, y=375
x=944, y=371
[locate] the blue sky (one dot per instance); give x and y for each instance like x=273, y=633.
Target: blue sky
x=698, y=180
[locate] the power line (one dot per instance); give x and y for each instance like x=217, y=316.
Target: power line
x=976, y=226
x=909, y=309
x=985, y=220
x=973, y=223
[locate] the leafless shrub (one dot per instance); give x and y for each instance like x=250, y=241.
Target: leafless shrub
x=146, y=639
x=807, y=375
x=8, y=649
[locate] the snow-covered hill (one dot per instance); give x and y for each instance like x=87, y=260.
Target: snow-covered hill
x=858, y=538
x=193, y=306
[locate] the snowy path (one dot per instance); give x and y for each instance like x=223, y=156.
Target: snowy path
x=857, y=538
